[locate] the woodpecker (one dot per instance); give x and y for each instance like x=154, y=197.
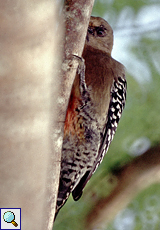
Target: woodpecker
x=95, y=106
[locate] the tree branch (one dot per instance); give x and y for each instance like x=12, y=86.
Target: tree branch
x=132, y=178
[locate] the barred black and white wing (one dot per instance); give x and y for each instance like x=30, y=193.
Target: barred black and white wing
x=117, y=103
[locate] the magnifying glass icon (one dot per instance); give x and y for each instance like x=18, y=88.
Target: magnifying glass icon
x=9, y=217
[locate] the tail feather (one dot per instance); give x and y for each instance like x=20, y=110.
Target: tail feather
x=63, y=194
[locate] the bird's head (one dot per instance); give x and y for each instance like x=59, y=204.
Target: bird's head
x=99, y=35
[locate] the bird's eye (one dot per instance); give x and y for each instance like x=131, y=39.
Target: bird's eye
x=101, y=32
x=90, y=30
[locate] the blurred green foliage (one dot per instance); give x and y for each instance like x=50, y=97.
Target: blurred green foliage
x=140, y=120
x=143, y=213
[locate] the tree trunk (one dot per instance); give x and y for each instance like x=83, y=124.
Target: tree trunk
x=28, y=89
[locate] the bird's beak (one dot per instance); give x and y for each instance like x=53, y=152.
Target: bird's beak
x=89, y=31
x=87, y=37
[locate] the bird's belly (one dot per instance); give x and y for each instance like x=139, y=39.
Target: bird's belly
x=80, y=146
x=77, y=158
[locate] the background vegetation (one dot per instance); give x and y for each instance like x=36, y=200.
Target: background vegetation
x=136, y=25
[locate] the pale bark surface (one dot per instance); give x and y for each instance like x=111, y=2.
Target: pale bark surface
x=27, y=91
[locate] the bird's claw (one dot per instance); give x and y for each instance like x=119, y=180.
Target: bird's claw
x=81, y=64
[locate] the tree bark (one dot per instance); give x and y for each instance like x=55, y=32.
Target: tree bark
x=28, y=87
